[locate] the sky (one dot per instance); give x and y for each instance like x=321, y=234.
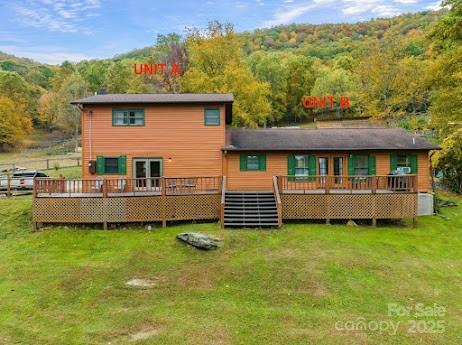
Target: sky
x=52, y=31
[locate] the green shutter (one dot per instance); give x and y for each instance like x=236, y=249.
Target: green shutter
x=371, y=165
x=413, y=163
x=243, y=162
x=393, y=162
x=312, y=165
x=351, y=165
x=291, y=167
x=123, y=165
x=262, y=162
x=100, y=165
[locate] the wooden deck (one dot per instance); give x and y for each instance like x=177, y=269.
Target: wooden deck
x=201, y=198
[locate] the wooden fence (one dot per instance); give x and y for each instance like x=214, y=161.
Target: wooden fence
x=41, y=164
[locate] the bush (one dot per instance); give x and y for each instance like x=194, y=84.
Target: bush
x=449, y=161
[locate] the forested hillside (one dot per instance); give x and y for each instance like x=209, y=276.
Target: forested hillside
x=268, y=71
x=404, y=70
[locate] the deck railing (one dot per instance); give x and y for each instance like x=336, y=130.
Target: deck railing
x=113, y=187
x=347, y=184
x=277, y=197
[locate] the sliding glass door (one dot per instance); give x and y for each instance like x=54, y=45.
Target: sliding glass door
x=147, y=172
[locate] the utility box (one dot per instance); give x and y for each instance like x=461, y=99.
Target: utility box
x=92, y=167
x=425, y=204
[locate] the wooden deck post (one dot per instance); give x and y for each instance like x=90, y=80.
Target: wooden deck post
x=277, y=196
x=222, y=203
x=164, y=202
x=104, y=204
x=8, y=185
x=374, y=222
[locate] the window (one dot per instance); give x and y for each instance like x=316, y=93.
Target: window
x=323, y=166
x=361, y=165
x=301, y=165
x=338, y=166
x=253, y=162
x=111, y=165
x=212, y=116
x=402, y=161
x=128, y=117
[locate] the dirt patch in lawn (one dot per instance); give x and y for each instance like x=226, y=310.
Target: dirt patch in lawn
x=144, y=334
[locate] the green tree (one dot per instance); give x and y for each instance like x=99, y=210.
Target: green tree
x=93, y=72
x=390, y=81
x=216, y=65
x=337, y=83
x=449, y=161
x=24, y=94
x=117, y=77
x=445, y=72
x=447, y=32
x=68, y=119
x=270, y=67
x=301, y=76
x=13, y=125
x=64, y=71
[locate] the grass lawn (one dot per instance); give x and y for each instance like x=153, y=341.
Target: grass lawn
x=69, y=173
x=290, y=286
x=27, y=155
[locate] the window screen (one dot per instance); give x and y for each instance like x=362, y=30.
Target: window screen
x=212, y=116
x=128, y=117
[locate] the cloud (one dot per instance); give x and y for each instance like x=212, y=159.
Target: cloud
x=56, y=15
x=406, y=2
x=287, y=14
x=291, y=9
x=437, y=5
x=50, y=55
x=378, y=8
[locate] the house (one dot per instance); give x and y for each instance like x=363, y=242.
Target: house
x=177, y=156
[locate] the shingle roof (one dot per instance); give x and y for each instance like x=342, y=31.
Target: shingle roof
x=319, y=139
x=157, y=98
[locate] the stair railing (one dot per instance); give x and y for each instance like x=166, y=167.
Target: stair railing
x=278, y=200
x=222, y=205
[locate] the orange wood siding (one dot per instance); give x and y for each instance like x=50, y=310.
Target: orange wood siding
x=382, y=163
x=276, y=164
x=423, y=172
x=170, y=131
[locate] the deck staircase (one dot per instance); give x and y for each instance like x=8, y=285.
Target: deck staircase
x=250, y=209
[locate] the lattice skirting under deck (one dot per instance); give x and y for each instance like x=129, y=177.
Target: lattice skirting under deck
x=126, y=209
x=349, y=206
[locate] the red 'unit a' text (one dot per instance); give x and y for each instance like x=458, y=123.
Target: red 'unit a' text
x=157, y=69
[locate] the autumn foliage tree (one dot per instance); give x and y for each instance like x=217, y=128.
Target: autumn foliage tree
x=13, y=125
x=216, y=65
